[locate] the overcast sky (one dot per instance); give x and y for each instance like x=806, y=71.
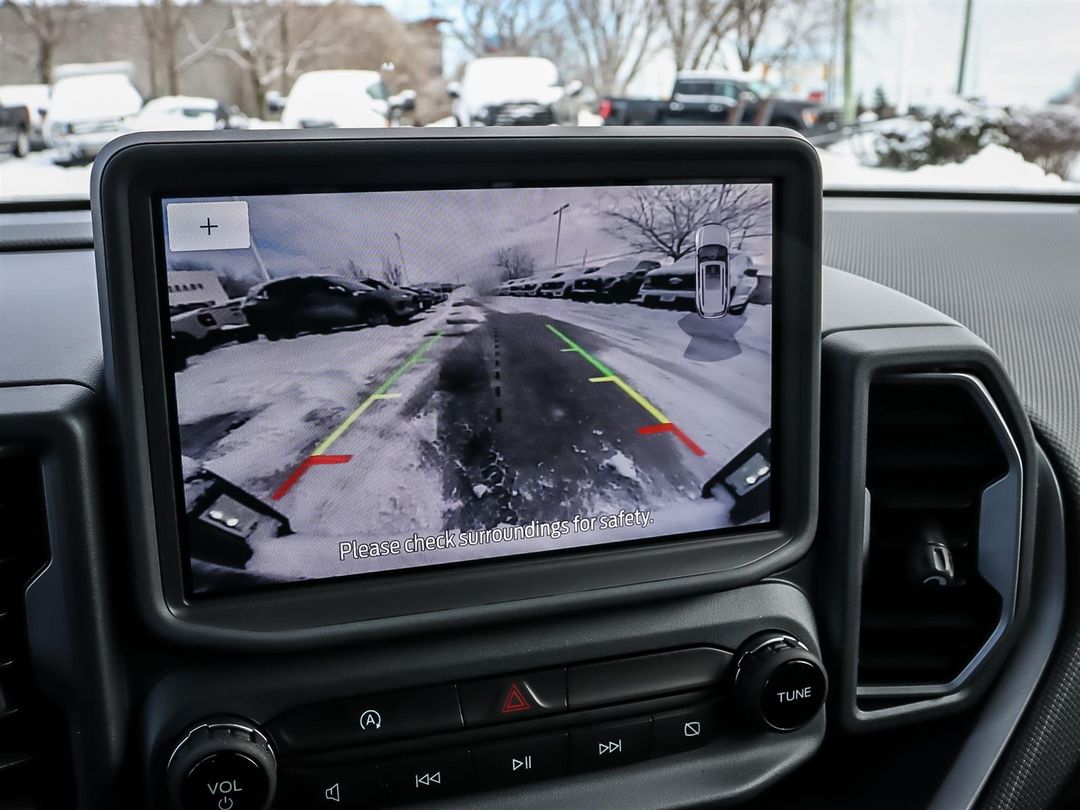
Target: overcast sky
x=445, y=235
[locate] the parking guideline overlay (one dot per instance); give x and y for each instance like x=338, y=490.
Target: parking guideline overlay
x=379, y=393
x=319, y=456
x=664, y=425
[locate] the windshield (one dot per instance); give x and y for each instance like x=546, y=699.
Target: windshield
x=911, y=95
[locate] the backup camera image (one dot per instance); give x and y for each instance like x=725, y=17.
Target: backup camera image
x=375, y=381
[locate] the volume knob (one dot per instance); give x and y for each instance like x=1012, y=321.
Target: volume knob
x=222, y=764
x=779, y=684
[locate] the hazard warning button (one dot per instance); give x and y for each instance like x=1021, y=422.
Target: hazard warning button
x=515, y=697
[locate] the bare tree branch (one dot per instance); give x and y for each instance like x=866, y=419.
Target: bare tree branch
x=614, y=37
x=664, y=219
x=48, y=24
x=514, y=262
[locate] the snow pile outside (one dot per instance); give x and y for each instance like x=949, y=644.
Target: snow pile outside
x=993, y=167
x=36, y=176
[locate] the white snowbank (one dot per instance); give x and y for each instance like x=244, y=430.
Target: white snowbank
x=37, y=176
x=994, y=167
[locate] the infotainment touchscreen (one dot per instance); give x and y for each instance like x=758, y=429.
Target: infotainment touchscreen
x=371, y=381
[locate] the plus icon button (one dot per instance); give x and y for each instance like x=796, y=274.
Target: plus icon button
x=208, y=226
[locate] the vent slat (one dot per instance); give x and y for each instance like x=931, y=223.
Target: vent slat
x=34, y=769
x=930, y=455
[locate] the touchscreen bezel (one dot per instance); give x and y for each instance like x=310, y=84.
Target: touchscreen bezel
x=136, y=173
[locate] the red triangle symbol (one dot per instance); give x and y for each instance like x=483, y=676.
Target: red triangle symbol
x=515, y=701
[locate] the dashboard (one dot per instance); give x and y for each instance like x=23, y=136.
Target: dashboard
x=791, y=534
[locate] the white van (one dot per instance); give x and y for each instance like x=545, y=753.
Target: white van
x=86, y=112
x=323, y=99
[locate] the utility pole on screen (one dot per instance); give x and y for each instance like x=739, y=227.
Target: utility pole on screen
x=558, y=212
x=401, y=253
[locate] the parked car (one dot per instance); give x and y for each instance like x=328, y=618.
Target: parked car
x=583, y=273
x=702, y=97
x=428, y=298
x=187, y=113
x=15, y=131
x=322, y=99
x=199, y=328
x=415, y=293
x=286, y=307
x=619, y=280
x=558, y=284
x=675, y=285
x=528, y=286
x=35, y=98
x=516, y=286
x=514, y=91
x=88, y=110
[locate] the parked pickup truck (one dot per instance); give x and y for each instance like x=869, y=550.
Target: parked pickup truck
x=15, y=131
x=714, y=98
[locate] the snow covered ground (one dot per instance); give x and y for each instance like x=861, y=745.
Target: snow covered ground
x=36, y=176
x=994, y=167
x=498, y=423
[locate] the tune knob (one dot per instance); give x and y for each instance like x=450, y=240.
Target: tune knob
x=222, y=764
x=779, y=684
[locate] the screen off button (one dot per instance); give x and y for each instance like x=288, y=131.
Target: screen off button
x=208, y=226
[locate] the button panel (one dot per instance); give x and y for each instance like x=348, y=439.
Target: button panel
x=501, y=764
x=582, y=718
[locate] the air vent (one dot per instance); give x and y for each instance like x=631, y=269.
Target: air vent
x=33, y=738
x=939, y=580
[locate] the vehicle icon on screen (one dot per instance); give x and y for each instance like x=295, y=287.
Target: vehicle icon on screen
x=713, y=288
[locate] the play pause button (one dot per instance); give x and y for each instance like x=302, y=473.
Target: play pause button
x=610, y=745
x=518, y=761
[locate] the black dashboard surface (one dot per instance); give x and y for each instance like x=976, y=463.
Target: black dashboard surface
x=1010, y=272
x=1006, y=270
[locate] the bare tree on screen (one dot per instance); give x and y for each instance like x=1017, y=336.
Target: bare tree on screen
x=664, y=219
x=514, y=262
x=392, y=272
